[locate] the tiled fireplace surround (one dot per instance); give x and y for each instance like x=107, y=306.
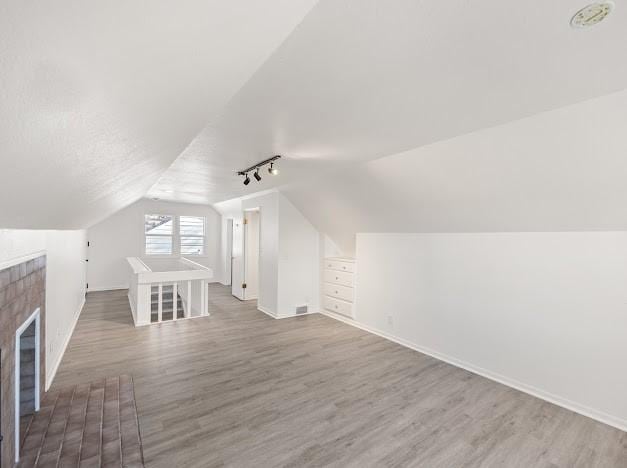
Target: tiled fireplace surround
x=22, y=291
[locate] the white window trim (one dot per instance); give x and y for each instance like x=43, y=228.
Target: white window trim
x=174, y=231
x=204, y=235
x=176, y=235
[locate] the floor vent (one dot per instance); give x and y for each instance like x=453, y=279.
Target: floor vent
x=302, y=309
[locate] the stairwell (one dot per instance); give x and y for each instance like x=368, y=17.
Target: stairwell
x=167, y=304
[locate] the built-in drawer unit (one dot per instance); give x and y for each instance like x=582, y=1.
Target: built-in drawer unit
x=338, y=277
x=338, y=306
x=338, y=291
x=331, y=264
x=337, y=288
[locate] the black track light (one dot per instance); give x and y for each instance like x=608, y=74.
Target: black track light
x=255, y=169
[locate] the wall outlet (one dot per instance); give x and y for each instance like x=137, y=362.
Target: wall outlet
x=390, y=320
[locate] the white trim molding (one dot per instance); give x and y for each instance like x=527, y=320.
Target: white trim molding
x=34, y=317
x=592, y=413
x=24, y=258
x=107, y=288
x=279, y=317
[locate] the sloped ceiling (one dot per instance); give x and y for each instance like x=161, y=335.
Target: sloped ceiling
x=97, y=99
x=361, y=79
x=562, y=170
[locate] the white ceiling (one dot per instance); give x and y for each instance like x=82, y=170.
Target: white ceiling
x=98, y=98
x=561, y=170
x=97, y=101
x=361, y=79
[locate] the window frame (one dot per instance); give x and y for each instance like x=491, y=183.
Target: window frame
x=174, y=223
x=203, y=236
x=176, y=235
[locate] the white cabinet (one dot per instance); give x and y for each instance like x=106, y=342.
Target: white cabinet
x=337, y=288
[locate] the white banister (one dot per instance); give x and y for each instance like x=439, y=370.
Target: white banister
x=146, y=285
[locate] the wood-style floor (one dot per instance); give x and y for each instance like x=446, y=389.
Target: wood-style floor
x=241, y=389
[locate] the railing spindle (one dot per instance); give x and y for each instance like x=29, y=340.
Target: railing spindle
x=160, y=304
x=188, y=311
x=175, y=301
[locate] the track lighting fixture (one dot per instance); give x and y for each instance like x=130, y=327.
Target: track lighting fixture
x=271, y=170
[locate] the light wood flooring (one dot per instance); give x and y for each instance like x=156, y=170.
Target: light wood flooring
x=241, y=389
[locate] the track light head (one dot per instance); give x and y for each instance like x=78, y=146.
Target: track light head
x=255, y=169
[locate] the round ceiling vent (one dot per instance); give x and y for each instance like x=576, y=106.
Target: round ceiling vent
x=591, y=14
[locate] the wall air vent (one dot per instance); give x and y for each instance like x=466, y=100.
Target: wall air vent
x=591, y=14
x=301, y=309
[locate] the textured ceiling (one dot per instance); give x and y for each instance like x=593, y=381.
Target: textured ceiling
x=361, y=79
x=97, y=102
x=98, y=99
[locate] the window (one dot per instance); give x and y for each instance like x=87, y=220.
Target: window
x=192, y=235
x=158, y=231
x=174, y=235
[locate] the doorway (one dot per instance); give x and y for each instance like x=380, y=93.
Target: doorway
x=245, y=255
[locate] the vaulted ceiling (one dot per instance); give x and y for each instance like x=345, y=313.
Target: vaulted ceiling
x=97, y=99
x=362, y=79
x=104, y=104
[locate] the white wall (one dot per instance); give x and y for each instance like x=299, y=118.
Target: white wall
x=122, y=235
x=562, y=170
x=289, y=252
x=299, y=261
x=544, y=312
x=65, y=281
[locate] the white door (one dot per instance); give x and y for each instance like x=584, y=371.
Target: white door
x=228, y=256
x=251, y=254
x=237, y=259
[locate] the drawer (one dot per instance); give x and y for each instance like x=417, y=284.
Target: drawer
x=340, y=292
x=338, y=277
x=339, y=265
x=338, y=306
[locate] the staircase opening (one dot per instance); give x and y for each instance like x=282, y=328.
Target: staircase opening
x=168, y=302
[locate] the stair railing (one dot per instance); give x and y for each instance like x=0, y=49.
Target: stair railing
x=159, y=296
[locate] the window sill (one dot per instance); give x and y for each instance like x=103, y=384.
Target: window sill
x=174, y=256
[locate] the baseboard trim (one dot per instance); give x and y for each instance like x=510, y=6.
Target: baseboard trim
x=53, y=371
x=279, y=317
x=107, y=288
x=591, y=413
x=267, y=312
